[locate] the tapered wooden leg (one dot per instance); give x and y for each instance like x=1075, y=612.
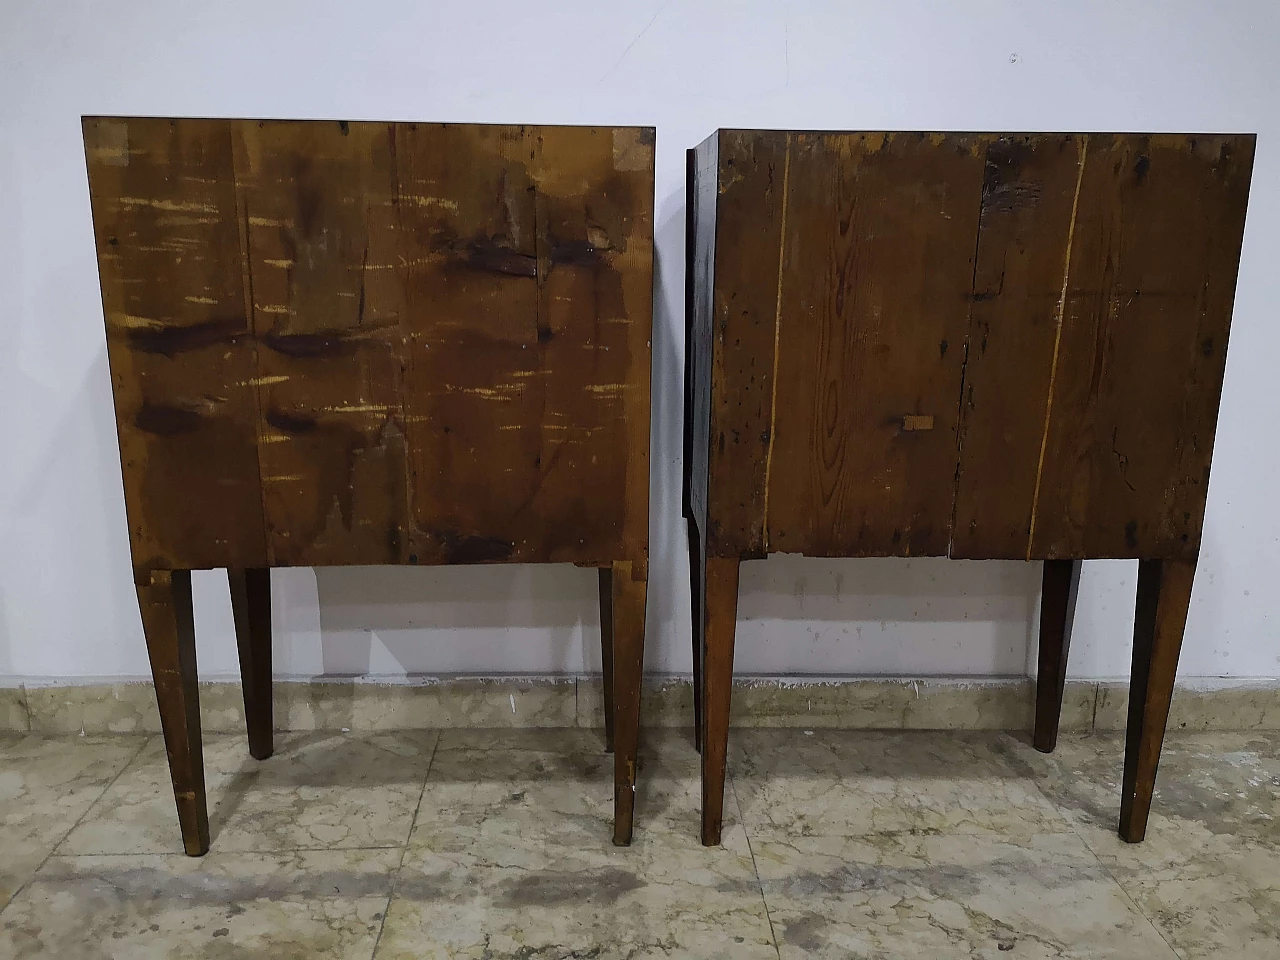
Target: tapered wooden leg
x=251, y=606
x=627, y=599
x=606, y=651
x=1164, y=594
x=698, y=617
x=1057, y=611
x=164, y=597
x=717, y=687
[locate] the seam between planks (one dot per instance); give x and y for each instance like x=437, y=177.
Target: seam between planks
x=1057, y=343
x=777, y=330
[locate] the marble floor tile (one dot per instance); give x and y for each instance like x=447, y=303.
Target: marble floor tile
x=949, y=896
x=319, y=791
x=556, y=785
x=511, y=857
x=224, y=905
x=853, y=783
x=46, y=785
x=1208, y=873
x=522, y=898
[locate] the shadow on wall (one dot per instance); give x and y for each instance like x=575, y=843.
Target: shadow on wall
x=526, y=619
x=890, y=616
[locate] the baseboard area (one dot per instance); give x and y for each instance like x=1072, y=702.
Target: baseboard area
x=866, y=703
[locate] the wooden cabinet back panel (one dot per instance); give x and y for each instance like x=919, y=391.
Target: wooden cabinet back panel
x=974, y=345
x=339, y=343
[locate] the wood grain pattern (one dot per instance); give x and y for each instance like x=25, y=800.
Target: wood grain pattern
x=967, y=345
x=338, y=343
x=872, y=310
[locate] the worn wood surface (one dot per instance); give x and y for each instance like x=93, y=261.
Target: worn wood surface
x=164, y=597
x=251, y=610
x=967, y=345
x=1061, y=586
x=340, y=343
x=605, y=579
x=717, y=688
x=1164, y=596
x=629, y=593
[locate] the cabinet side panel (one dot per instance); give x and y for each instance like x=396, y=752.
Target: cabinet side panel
x=178, y=339
x=700, y=264
x=747, y=227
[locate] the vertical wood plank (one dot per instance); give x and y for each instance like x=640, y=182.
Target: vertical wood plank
x=740, y=215
x=1147, y=309
x=717, y=689
x=251, y=610
x=1164, y=595
x=877, y=273
x=164, y=598
x=318, y=208
x=1029, y=193
x=178, y=339
x=629, y=596
x=1061, y=583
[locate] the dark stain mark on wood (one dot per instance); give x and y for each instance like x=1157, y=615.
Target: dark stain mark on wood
x=489, y=254
x=1131, y=534
x=459, y=549
x=1141, y=167
x=170, y=340
x=307, y=345
x=290, y=422
x=166, y=421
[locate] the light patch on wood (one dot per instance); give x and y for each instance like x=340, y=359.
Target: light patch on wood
x=271, y=308
x=130, y=322
x=269, y=222
x=112, y=146
x=917, y=421
x=632, y=148
x=607, y=389
x=264, y=381
x=200, y=300
x=173, y=206
x=422, y=201
x=363, y=408
x=278, y=263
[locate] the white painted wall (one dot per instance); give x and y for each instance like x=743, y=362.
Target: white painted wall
x=67, y=607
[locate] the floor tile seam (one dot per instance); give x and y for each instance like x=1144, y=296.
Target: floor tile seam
x=733, y=787
x=53, y=849
x=404, y=849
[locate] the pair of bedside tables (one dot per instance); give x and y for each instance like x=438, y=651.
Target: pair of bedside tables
x=393, y=343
